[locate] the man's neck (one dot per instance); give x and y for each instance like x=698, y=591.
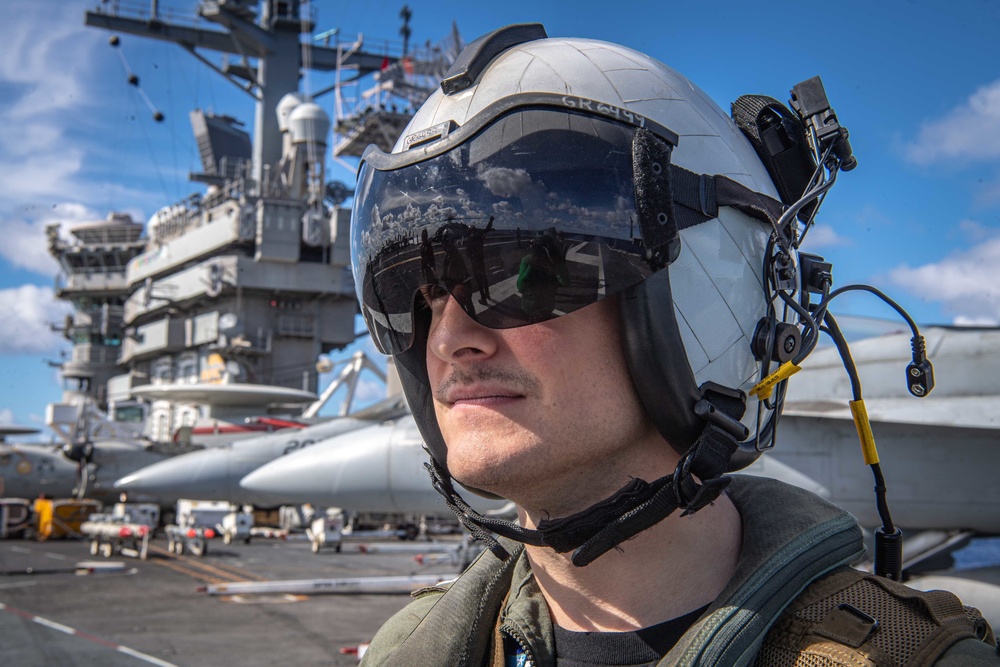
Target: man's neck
x=677, y=566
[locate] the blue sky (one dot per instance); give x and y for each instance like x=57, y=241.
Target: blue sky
x=917, y=83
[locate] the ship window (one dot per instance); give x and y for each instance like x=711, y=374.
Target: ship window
x=163, y=371
x=161, y=429
x=132, y=414
x=187, y=369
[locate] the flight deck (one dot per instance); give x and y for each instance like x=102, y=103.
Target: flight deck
x=128, y=612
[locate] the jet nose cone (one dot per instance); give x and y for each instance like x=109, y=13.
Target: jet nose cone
x=126, y=482
x=199, y=475
x=333, y=472
x=156, y=478
x=282, y=479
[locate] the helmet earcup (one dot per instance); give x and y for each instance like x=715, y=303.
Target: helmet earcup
x=658, y=362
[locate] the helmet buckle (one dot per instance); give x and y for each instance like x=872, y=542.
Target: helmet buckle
x=689, y=494
x=705, y=494
x=717, y=403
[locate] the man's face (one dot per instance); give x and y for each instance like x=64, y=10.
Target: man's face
x=544, y=413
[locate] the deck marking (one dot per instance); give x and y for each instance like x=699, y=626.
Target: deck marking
x=213, y=573
x=84, y=635
x=20, y=584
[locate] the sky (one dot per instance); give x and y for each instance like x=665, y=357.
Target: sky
x=919, y=218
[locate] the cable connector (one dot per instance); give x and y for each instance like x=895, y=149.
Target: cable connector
x=817, y=273
x=920, y=372
x=889, y=554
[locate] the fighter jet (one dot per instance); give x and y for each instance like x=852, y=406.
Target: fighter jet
x=931, y=448
x=376, y=469
x=7, y=430
x=30, y=471
x=214, y=474
x=380, y=469
x=33, y=470
x=936, y=452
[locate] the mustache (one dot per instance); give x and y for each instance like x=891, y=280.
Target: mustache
x=518, y=380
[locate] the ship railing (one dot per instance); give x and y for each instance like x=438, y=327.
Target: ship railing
x=399, y=89
x=173, y=221
x=102, y=319
x=106, y=236
x=149, y=11
x=233, y=188
x=177, y=220
x=98, y=270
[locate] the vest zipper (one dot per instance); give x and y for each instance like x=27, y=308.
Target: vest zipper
x=514, y=634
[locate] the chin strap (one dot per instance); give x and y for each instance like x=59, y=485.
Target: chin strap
x=632, y=509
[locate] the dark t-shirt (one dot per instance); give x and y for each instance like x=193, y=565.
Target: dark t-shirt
x=640, y=648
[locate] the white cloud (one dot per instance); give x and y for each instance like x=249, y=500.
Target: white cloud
x=965, y=321
x=44, y=94
x=975, y=231
x=28, y=312
x=823, y=236
x=58, y=130
x=24, y=240
x=964, y=282
x=369, y=390
x=7, y=416
x=970, y=131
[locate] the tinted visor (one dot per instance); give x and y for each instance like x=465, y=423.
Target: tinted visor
x=531, y=217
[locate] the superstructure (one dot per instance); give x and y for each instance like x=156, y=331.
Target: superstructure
x=221, y=311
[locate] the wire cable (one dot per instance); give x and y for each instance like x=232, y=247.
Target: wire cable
x=888, y=538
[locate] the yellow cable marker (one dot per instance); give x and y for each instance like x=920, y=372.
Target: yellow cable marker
x=763, y=389
x=861, y=423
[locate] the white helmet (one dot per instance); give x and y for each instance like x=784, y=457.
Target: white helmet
x=638, y=184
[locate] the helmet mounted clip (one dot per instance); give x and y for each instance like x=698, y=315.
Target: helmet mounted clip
x=654, y=198
x=476, y=56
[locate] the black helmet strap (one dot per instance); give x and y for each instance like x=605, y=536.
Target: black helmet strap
x=632, y=509
x=670, y=198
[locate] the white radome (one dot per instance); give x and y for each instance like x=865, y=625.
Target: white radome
x=285, y=107
x=308, y=123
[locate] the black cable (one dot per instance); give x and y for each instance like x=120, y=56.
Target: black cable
x=833, y=330
x=880, y=500
x=845, y=354
x=825, y=303
x=920, y=371
x=811, y=193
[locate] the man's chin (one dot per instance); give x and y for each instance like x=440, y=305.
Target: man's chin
x=482, y=493
x=488, y=482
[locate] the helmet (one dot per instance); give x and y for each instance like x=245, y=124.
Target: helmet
x=588, y=150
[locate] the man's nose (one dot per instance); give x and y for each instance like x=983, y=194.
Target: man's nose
x=455, y=337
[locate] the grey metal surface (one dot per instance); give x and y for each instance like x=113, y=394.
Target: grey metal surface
x=153, y=607
x=214, y=474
